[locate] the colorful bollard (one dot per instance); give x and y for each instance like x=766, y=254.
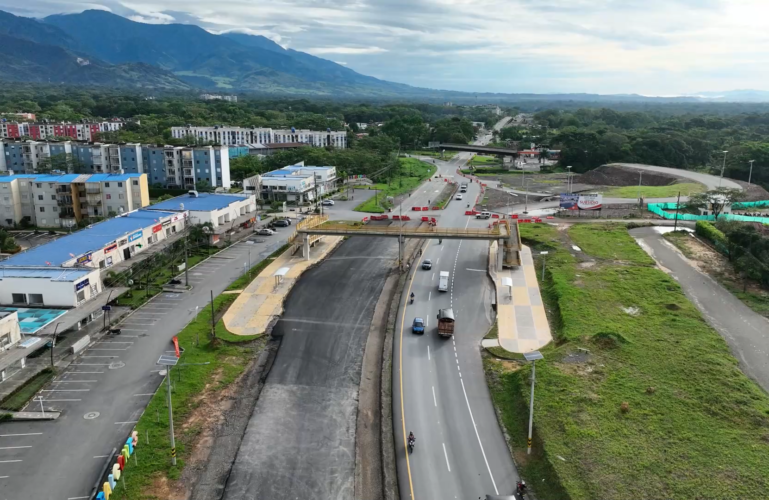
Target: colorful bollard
x=116, y=472
x=107, y=490
x=111, y=481
x=121, y=461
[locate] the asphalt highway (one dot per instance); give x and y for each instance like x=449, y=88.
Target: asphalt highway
x=439, y=388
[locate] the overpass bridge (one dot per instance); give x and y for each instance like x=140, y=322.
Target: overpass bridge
x=479, y=149
x=504, y=231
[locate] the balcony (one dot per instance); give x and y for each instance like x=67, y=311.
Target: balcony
x=187, y=172
x=187, y=163
x=93, y=190
x=171, y=172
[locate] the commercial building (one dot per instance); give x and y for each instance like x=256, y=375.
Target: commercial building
x=233, y=136
x=221, y=210
x=298, y=183
x=325, y=177
x=62, y=200
x=10, y=332
x=66, y=272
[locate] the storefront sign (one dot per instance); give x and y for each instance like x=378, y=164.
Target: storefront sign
x=84, y=258
x=581, y=201
x=110, y=248
x=157, y=229
x=81, y=285
x=135, y=236
x=123, y=242
x=166, y=223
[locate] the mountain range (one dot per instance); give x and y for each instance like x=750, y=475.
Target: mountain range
x=96, y=47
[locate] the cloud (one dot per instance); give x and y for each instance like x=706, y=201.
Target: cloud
x=607, y=46
x=345, y=50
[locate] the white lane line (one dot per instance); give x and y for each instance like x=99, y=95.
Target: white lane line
x=129, y=422
x=108, y=349
x=427, y=321
x=9, y=461
x=133, y=329
x=429, y=296
x=73, y=381
x=72, y=373
x=60, y=400
x=81, y=498
x=150, y=394
x=108, y=357
x=435, y=401
x=433, y=278
x=90, y=364
x=476, y=270
x=447, y=458
x=479, y=438
x=428, y=353
x=65, y=390
x=97, y=456
x=6, y=477
x=14, y=447
x=27, y=434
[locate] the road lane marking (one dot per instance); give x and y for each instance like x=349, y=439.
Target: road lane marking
x=59, y=400
x=476, y=270
x=479, y=438
x=72, y=381
x=150, y=394
x=27, y=434
x=447, y=458
x=14, y=447
x=72, y=373
x=65, y=390
x=433, y=278
x=429, y=296
x=9, y=461
x=400, y=376
x=129, y=422
x=81, y=498
x=428, y=353
x=435, y=401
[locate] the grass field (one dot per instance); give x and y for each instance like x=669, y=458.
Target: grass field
x=671, y=191
x=479, y=160
x=657, y=409
x=412, y=173
x=447, y=155
x=17, y=400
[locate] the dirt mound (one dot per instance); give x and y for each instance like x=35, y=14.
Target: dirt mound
x=753, y=192
x=612, y=175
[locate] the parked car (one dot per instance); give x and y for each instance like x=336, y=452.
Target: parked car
x=418, y=326
x=327, y=203
x=427, y=264
x=265, y=231
x=460, y=196
x=281, y=223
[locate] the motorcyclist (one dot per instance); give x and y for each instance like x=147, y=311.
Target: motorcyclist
x=520, y=487
x=412, y=297
x=412, y=439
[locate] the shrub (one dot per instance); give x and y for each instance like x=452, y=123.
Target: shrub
x=709, y=232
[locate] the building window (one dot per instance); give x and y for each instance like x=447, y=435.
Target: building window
x=53, y=197
x=106, y=184
x=109, y=196
x=36, y=298
x=19, y=298
x=119, y=184
x=136, y=183
x=42, y=209
x=40, y=197
x=120, y=196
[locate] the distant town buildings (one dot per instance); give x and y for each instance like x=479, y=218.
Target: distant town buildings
x=260, y=136
x=295, y=183
x=185, y=167
x=217, y=97
x=76, y=131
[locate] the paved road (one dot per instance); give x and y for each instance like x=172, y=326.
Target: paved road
x=115, y=378
x=746, y=332
x=439, y=388
x=300, y=441
x=711, y=181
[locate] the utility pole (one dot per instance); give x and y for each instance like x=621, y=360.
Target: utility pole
x=213, y=320
x=640, y=174
x=186, y=272
x=678, y=204
x=750, y=175
x=722, y=170
x=53, y=343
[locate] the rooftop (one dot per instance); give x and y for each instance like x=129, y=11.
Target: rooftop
x=59, y=251
x=52, y=273
x=32, y=320
x=204, y=202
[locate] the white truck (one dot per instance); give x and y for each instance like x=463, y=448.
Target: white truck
x=483, y=215
x=443, y=282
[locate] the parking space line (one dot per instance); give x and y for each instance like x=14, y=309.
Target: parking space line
x=14, y=447
x=89, y=356
x=59, y=400
x=82, y=372
x=109, y=349
x=134, y=330
x=129, y=422
x=90, y=364
x=6, y=477
x=72, y=381
x=27, y=434
x=9, y=461
x=151, y=394
x=65, y=390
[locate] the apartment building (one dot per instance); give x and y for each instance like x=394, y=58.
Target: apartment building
x=43, y=131
x=188, y=167
x=62, y=200
x=233, y=136
x=25, y=156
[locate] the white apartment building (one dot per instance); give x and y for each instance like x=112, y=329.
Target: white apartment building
x=287, y=185
x=325, y=177
x=234, y=136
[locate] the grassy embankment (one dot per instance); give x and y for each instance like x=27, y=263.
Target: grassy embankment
x=410, y=175
x=748, y=291
x=659, y=407
x=447, y=155
x=16, y=400
x=671, y=191
x=227, y=359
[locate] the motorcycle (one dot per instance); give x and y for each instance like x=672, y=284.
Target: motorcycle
x=115, y=331
x=411, y=445
x=520, y=489
x=411, y=301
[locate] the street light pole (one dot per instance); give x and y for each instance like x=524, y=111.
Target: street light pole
x=640, y=175
x=722, y=170
x=750, y=175
x=526, y=203
x=544, y=258
x=533, y=357
x=171, y=415
x=53, y=343
x=568, y=179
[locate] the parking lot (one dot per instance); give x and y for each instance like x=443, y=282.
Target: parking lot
x=28, y=239
x=104, y=391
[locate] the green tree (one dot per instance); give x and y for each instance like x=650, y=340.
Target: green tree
x=715, y=200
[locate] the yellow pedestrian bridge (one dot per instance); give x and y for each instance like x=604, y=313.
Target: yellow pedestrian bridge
x=505, y=231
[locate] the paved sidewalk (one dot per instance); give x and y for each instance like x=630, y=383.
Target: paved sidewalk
x=262, y=300
x=521, y=319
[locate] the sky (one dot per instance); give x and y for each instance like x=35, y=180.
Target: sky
x=649, y=47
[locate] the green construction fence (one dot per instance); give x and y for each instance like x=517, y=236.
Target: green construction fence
x=661, y=210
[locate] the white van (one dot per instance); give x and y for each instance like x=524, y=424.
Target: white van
x=443, y=282
x=483, y=215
